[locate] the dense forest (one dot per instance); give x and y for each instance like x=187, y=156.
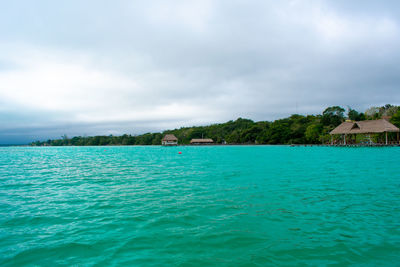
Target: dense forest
x=296, y=129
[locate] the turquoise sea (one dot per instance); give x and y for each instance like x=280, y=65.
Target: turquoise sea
x=209, y=206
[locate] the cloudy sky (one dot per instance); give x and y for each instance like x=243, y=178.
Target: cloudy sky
x=114, y=67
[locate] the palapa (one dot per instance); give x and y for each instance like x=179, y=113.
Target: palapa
x=202, y=141
x=170, y=137
x=365, y=127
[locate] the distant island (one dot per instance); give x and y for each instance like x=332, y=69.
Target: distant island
x=296, y=129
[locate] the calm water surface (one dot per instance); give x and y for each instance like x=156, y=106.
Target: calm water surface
x=209, y=206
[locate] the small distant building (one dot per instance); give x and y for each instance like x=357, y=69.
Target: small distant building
x=351, y=128
x=206, y=141
x=169, y=140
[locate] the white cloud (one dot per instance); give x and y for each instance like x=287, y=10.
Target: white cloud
x=156, y=65
x=343, y=30
x=70, y=84
x=56, y=81
x=189, y=15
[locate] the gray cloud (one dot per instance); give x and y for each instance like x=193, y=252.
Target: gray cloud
x=131, y=66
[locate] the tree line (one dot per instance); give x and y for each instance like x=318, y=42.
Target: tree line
x=296, y=129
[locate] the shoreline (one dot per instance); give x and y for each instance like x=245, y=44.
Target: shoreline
x=227, y=145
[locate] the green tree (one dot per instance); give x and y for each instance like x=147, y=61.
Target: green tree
x=233, y=138
x=396, y=119
x=355, y=115
x=250, y=135
x=333, y=116
x=313, y=133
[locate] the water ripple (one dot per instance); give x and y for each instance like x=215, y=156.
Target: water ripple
x=209, y=206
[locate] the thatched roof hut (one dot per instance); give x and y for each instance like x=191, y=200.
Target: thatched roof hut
x=205, y=141
x=169, y=139
x=365, y=127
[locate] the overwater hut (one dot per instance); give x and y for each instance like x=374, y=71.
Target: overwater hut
x=205, y=141
x=169, y=140
x=351, y=129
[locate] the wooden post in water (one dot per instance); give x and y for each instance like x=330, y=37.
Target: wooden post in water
x=332, y=138
x=386, y=137
x=344, y=139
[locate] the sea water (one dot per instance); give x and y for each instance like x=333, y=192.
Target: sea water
x=208, y=206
